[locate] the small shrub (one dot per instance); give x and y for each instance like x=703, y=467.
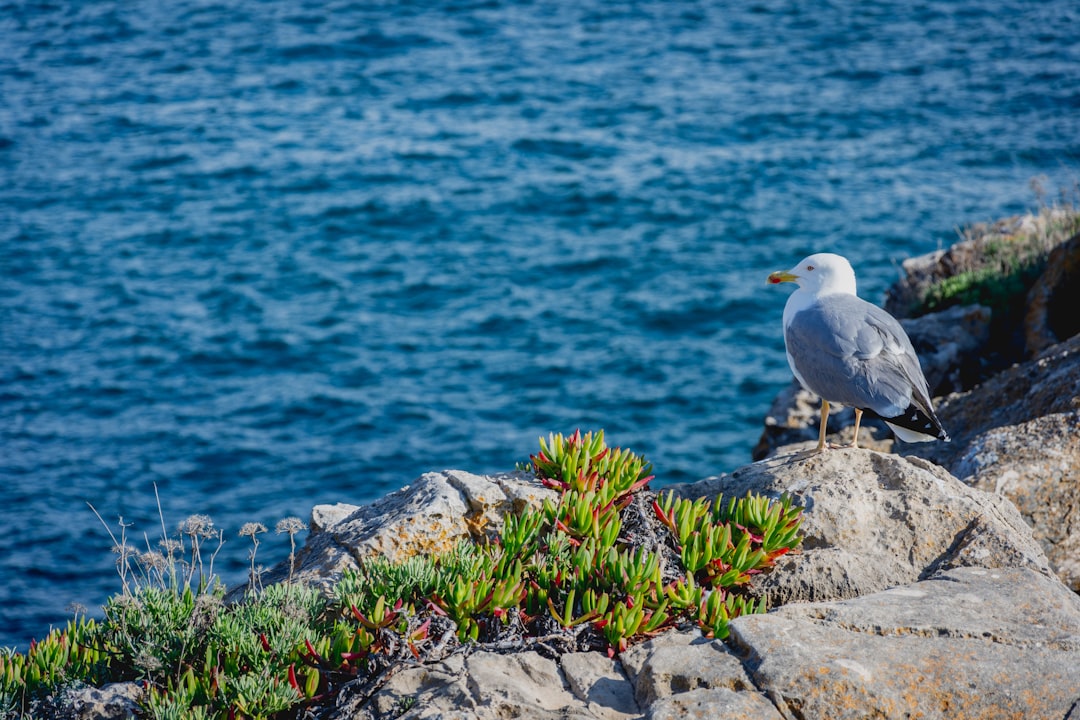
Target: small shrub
x=1012, y=254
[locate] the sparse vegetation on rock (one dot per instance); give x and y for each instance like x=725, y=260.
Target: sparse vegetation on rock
x=604, y=565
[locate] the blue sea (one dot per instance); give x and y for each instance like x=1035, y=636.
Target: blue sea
x=263, y=255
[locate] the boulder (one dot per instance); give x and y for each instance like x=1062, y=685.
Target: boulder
x=967, y=643
x=428, y=516
x=1018, y=434
x=115, y=701
x=875, y=521
x=487, y=684
x=682, y=661
x=718, y=704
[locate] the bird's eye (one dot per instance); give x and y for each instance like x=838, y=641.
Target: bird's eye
x=809, y=267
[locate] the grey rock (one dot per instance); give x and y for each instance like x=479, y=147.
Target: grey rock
x=1036, y=465
x=429, y=516
x=1053, y=300
x=948, y=344
x=601, y=683
x=325, y=516
x=484, y=684
x=116, y=701
x=678, y=662
x=875, y=521
x=1045, y=385
x=1018, y=435
x=525, y=684
x=714, y=704
x=969, y=643
x=433, y=690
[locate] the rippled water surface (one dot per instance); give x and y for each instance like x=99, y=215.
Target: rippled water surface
x=271, y=254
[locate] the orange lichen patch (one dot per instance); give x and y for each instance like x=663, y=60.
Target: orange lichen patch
x=403, y=542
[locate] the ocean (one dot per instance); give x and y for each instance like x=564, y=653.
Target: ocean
x=262, y=255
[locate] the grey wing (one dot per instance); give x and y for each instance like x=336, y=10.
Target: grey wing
x=853, y=353
x=900, y=355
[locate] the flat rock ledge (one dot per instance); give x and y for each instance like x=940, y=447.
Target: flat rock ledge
x=913, y=595
x=968, y=643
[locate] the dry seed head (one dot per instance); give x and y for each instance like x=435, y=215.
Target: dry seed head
x=124, y=550
x=252, y=529
x=153, y=560
x=205, y=611
x=290, y=525
x=198, y=526
x=170, y=546
x=125, y=602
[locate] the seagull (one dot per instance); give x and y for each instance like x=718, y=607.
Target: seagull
x=851, y=352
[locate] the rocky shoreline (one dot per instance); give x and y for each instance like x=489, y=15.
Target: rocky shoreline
x=935, y=581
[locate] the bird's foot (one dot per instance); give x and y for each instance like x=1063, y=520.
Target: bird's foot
x=822, y=447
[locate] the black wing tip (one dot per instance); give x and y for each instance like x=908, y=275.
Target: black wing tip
x=919, y=421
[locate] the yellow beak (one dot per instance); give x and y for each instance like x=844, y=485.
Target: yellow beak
x=782, y=276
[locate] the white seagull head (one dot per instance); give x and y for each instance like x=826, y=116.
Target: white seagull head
x=819, y=274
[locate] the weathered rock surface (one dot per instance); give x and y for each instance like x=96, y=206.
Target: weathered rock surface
x=1018, y=434
x=875, y=521
x=969, y=643
x=949, y=345
x=115, y=701
x=428, y=516
x=1053, y=301
x=493, y=685
x=966, y=643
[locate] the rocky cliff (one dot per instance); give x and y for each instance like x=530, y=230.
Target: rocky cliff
x=929, y=583
x=933, y=581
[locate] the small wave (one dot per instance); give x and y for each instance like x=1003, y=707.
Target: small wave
x=568, y=149
x=159, y=163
